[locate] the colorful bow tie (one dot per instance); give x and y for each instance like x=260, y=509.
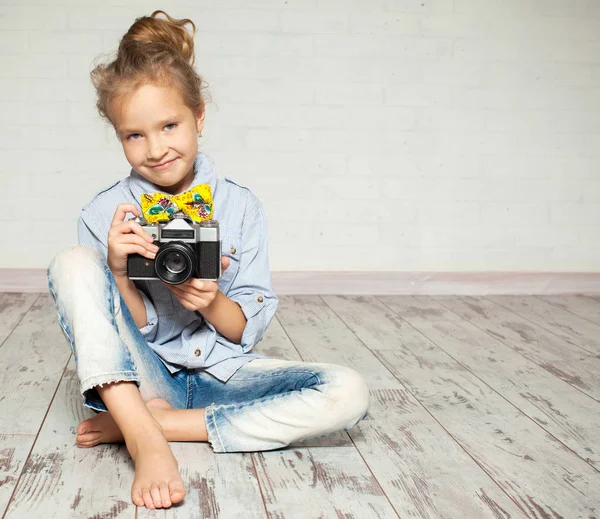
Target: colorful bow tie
x=196, y=203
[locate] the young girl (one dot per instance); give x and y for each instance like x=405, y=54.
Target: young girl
x=175, y=362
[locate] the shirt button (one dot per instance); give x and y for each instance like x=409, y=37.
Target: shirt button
x=260, y=299
x=233, y=250
x=197, y=353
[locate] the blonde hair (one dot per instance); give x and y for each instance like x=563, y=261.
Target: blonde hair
x=153, y=51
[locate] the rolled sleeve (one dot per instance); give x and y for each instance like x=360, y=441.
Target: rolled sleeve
x=252, y=288
x=258, y=316
x=151, y=327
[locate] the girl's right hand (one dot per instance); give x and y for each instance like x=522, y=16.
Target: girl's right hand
x=127, y=237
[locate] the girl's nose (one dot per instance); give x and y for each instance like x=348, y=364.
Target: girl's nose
x=156, y=148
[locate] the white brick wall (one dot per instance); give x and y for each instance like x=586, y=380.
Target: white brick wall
x=380, y=134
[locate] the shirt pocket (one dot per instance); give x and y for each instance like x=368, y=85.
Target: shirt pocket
x=231, y=244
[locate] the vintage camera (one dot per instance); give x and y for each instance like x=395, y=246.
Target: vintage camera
x=186, y=250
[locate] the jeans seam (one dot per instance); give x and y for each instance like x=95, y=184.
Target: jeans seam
x=213, y=420
x=187, y=390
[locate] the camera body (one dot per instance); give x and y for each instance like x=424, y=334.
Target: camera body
x=186, y=250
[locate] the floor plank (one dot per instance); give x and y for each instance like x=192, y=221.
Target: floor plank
x=14, y=450
x=558, y=356
x=538, y=472
x=422, y=470
x=583, y=306
x=555, y=406
x=60, y=480
x=320, y=336
x=570, y=327
x=32, y=361
x=12, y=309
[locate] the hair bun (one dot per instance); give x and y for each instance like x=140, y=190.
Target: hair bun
x=170, y=32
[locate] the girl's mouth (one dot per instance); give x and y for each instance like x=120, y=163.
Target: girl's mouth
x=164, y=165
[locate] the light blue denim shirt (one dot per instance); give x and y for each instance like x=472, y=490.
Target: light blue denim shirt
x=174, y=333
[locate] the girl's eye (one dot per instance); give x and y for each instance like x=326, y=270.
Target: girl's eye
x=171, y=126
x=134, y=136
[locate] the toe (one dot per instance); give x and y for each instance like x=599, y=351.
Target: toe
x=164, y=495
x=136, y=498
x=85, y=426
x=177, y=491
x=148, y=499
x=155, y=493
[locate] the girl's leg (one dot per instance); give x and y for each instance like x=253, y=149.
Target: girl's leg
x=270, y=403
x=112, y=357
x=106, y=343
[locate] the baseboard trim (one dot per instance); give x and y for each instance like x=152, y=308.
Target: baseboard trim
x=382, y=283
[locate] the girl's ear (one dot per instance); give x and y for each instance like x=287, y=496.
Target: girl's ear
x=200, y=120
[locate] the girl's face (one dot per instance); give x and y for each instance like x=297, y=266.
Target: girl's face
x=159, y=136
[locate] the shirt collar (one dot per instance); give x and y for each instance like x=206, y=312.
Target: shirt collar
x=204, y=173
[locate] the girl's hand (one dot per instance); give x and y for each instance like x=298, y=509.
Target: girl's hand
x=195, y=294
x=126, y=238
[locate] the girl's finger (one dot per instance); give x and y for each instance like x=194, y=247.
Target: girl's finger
x=191, y=289
x=134, y=238
x=131, y=227
x=132, y=248
x=121, y=212
x=189, y=301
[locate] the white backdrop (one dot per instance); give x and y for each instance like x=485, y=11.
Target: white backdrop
x=443, y=135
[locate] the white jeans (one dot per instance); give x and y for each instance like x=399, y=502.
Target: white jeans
x=266, y=404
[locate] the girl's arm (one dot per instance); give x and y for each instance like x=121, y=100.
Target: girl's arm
x=124, y=238
x=226, y=316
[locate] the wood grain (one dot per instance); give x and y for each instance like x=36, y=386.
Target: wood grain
x=14, y=449
x=554, y=405
x=534, y=469
x=558, y=356
x=566, y=325
x=12, y=309
x=32, y=360
x=583, y=306
x=422, y=470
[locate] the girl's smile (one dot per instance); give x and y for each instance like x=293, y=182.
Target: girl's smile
x=164, y=165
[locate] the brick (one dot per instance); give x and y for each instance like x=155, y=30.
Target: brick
x=314, y=22
x=31, y=18
x=507, y=213
x=33, y=66
x=383, y=23
x=43, y=42
x=575, y=213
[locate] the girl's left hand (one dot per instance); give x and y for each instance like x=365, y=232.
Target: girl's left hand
x=195, y=294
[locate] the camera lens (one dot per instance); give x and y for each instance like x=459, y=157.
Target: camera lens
x=175, y=263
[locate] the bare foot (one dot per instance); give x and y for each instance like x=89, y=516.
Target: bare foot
x=157, y=483
x=103, y=429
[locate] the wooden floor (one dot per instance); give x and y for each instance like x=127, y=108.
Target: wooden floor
x=481, y=407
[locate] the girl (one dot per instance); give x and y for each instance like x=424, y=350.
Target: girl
x=175, y=362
